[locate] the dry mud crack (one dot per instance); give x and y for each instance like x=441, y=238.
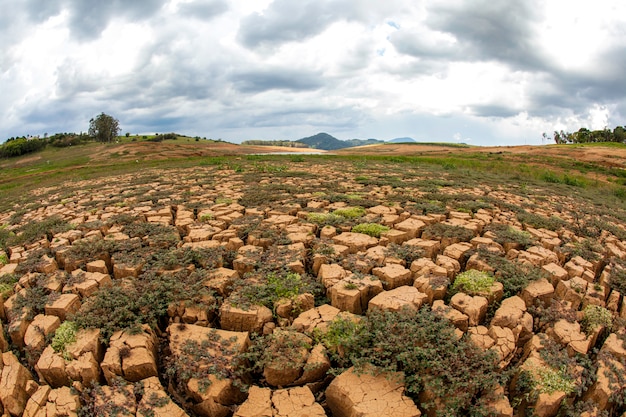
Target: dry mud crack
x=254, y=288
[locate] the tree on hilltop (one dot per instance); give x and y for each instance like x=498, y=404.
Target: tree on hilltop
x=104, y=128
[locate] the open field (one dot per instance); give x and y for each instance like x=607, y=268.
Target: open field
x=174, y=279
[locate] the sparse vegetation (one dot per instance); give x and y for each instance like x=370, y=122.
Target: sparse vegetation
x=350, y=212
x=371, y=229
x=279, y=204
x=64, y=335
x=473, y=282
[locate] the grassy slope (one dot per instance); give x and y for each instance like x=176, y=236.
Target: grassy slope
x=54, y=165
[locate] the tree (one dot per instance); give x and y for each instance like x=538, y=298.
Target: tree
x=104, y=128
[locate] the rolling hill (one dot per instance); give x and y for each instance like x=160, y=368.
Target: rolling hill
x=330, y=143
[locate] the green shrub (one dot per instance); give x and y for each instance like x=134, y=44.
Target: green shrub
x=617, y=278
x=538, y=221
x=33, y=300
x=4, y=259
x=197, y=360
x=110, y=309
x=5, y=236
x=371, y=229
x=342, y=338
x=37, y=230
x=143, y=301
x=275, y=286
x=326, y=219
x=7, y=284
x=423, y=346
x=428, y=207
x=64, y=335
x=407, y=253
x=441, y=230
x=206, y=217
x=551, y=380
x=473, y=282
x=472, y=206
x=594, y=316
x=513, y=276
x=350, y=212
x=507, y=234
x=586, y=249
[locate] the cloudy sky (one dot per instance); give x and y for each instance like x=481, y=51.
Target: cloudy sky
x=486, y=72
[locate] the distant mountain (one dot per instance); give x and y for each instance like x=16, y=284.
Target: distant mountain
x=363, y=142
x=331, y=143
x=402, y=140
x=323, y=141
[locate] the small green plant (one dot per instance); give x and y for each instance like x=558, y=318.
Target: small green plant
x=507, y=234
x=350, y=286
x=343, y=337
x=326, y=219
x=513, y=275
x=205, y=358
x=350, y=212
x=407, y=253
x=64, y=335
x=442, y=230
x=617, y=278
x=371, y=229
x=541, y=222
x=595, y=316
x=277, y=285
x=223, y=200
x=551, y=380
x=34, y=231
x=473, y=282
x=4, y=259
x=7, y=285
x=287, y=286
x=206, y=217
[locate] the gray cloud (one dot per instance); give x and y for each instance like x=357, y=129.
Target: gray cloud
x=40, y=10
x=494, y=110
x=203, y=9
x=256, y=81
x=203, y=79
x=286, y=21
x=88, y=18
x=492, y=30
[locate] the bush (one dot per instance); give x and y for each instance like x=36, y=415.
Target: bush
x=441, y=230
x=429, y=207
x=586, y=249
x=5, y=236
x=422, y=345
x=513, y=276
x=275, y=286
x=595, y=316
x=33, y=300
x=34, y=231
x=350, y=212
x=507, y=234
x=110, y=309
x=540, y=222
x=473, y=282
x=326, y=219
x=617, y=278
x=196, y=360
x=64, y=335
x=7, y=284
x=407, y=253
x=21, y=146
x=371, y=229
